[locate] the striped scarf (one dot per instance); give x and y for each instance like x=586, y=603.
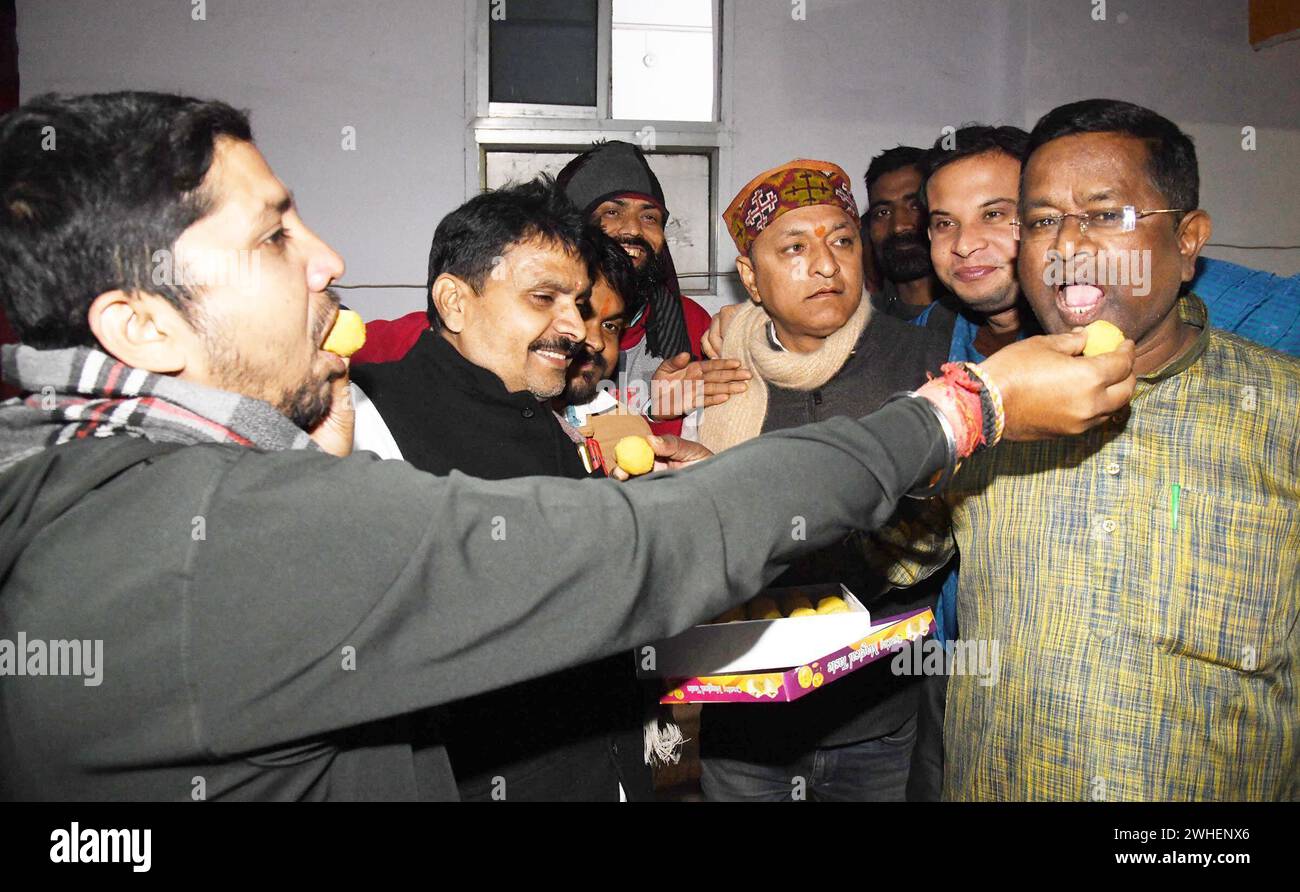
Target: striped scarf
x=665, y=327
x=79, y=392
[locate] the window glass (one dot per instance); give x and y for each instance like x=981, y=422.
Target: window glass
x=662, y=60
x=543, y=52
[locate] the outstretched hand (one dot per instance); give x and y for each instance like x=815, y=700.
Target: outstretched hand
x=1049, y=389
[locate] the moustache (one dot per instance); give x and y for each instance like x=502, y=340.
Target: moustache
x=635, y=241
x=907, y=241
x=587, y=355
x=569, y=347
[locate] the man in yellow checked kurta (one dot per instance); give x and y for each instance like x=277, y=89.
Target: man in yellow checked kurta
x=1141, y=579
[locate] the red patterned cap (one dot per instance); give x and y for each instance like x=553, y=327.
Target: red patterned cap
x=795, y=184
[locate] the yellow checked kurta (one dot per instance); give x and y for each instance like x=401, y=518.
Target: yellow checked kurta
x=1148, y=640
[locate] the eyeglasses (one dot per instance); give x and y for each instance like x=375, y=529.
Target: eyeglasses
x=1106, y=222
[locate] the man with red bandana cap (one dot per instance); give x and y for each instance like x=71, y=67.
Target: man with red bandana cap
x=818, y=350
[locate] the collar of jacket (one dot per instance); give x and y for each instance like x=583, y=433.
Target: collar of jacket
x=437, y=356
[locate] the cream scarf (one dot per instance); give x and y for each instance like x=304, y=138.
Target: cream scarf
x=741, y=417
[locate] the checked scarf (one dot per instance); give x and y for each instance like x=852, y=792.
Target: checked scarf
x=80, y=392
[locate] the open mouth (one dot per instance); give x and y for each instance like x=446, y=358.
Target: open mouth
x=337, y=363
x=323, y=334
x=1080, y=304
x=636, y=252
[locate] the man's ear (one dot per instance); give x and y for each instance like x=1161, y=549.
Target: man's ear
x=1193, y=232
x=745, y=266
x=450, y=295
x=142, y=330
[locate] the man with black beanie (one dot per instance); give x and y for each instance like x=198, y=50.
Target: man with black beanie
x=613, y=185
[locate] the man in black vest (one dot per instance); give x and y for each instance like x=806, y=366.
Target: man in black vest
x=509, y=305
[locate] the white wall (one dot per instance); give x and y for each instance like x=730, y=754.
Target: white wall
x=1190, y=61
x=854, y=78
x=393, y=69
x=857, y=77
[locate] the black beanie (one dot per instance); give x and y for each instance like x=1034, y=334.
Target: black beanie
x=605, y=170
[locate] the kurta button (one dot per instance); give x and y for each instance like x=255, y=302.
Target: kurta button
x=1113, y=468
x=528, y=413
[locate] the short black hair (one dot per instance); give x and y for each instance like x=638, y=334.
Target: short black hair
x=1171, y=156
x=91, y=187
x=891, y=160
x=472, y=239
x=969, y=141
x=612, y=263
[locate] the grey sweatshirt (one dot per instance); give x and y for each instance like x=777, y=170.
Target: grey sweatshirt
x=269, y=620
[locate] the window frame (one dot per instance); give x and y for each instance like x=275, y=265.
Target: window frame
x=488, y=109
x=485, y=108
x=524, y=127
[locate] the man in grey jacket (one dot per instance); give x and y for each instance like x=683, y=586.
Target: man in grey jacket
x=269, y=614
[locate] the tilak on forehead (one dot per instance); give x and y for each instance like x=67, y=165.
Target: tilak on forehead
x=796, y=184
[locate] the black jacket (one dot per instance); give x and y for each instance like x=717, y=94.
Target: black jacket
x=569, y=736
x=890, y=356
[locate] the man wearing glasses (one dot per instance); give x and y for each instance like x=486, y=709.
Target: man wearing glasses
x=1142, y=580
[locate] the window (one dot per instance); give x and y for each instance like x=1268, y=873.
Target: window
x=662, y=60
x=543, y=52
x=554, y=76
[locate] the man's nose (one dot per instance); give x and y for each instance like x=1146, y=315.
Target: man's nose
x=627, y=224
x=905, y=220
x=968, y=242
x=568, y=322
x=595, y=339
x=1071, y=238
x=324, y=264
x=821, y=261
